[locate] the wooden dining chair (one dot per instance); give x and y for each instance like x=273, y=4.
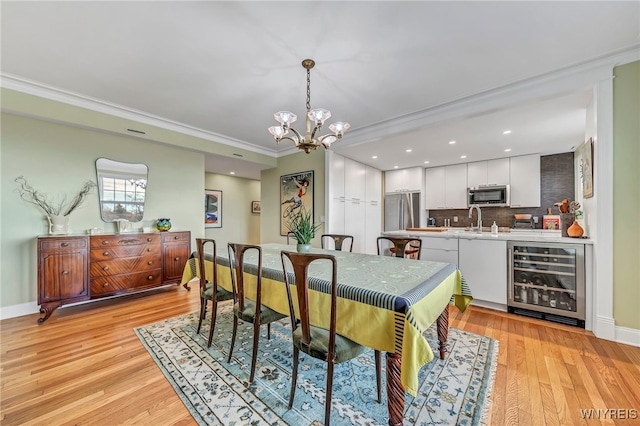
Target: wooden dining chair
x=209, y=289
x=338, y=240
x=290, y=236
x=319, y=343
x=248, y=307
x=408, y=247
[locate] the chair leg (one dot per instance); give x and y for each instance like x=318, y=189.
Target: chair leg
x=327, y=403
x=233, y=336
x=378, y=357
x=254, y=355
x=268, y=331
x=214, y=313
x=203, y=304
x=294, y=376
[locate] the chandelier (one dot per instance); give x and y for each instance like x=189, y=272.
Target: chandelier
x=315, y=117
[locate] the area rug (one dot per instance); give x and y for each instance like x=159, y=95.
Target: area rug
x=455, y=391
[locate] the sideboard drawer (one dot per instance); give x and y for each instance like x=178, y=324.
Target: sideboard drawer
x=125, y=282
x=125, y=265
x=63, y=243
x=107, y=253
x=177, y=237
x=123, y=240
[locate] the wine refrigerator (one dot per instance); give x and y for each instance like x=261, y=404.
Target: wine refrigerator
x=547, y=281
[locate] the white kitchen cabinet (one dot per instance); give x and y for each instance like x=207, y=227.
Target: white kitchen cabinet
x=373, y=185
x=354, y=180
x=335, y=222
x=483, y=264
x=439, y=249
x=491, y=172
x=446, y=187
x=525, y=181
x=373, y=226
x=354, y=223
x=404, y=180
x=335, y=175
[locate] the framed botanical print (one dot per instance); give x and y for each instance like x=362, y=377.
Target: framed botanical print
x=212, y=208
x=296, y=191
x=586, y=169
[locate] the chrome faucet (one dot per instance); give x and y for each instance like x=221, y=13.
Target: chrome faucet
x=475, y=206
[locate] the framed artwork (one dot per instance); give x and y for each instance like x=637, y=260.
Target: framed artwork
x=212, y=208
x=586, y=169
x=296, y=190
x=255, y=207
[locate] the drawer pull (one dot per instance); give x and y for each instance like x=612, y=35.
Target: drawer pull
x=65, y=272
x=65, y=244
x=149, y=239
x=105, y=285
x=106, y=268
x=106, y=253
x=149, y=263
x=150, y=277
x=105, y=242
x=175, y=238
x=177, y=259
x=148, y=249
x=130, y=241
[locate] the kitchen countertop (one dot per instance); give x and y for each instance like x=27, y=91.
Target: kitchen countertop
x=536, y=235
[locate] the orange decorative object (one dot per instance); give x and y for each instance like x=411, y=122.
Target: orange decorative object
x=575, y=230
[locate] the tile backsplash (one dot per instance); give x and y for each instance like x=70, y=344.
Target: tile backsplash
x=556, y=183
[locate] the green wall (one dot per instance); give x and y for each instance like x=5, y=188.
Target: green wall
x=626, y=195
x=57, y=159
x=270, y=193
x=239, y=225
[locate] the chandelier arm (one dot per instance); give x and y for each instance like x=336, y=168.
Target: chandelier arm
x=322, y=138
x=294, y=140
x=298, y=135
x=315, y=130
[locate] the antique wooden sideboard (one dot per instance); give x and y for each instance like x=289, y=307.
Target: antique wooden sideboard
x=73, y=269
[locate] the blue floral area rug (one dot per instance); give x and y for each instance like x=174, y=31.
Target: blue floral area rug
x=455, y=391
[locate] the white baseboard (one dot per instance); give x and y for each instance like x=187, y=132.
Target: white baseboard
x=19, y=310
x=605, y=328
x=628, y=336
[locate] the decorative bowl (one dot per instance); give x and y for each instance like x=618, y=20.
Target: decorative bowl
x=522, y=216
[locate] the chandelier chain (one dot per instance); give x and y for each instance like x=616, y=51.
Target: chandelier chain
x=308, y=90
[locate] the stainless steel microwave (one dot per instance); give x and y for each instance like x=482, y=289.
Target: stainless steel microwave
x=489, y=195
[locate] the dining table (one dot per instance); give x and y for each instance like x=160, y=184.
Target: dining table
x=385, y=303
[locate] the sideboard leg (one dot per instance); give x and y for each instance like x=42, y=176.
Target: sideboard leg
x=443, y=331
x=47, y=310
x=395, y=390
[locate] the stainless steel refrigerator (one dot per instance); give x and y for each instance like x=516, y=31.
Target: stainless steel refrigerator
x=401, y=211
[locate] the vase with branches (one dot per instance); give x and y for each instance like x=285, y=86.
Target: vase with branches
x=57, y=211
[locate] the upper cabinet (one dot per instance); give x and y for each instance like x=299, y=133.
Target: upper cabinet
x=525, y=181
x=335, y=176
x=404, y=180
x=373, y=188
x=492, y=172
x=446, y=187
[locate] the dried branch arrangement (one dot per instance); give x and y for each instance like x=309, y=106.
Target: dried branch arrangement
x=51, y=208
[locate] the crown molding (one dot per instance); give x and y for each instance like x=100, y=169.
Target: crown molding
x=23, y=85
x=581, y=76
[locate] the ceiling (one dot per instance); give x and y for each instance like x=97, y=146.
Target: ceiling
x=225, y=67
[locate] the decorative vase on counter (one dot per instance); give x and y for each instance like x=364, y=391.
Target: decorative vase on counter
x=575, y=230
x=163, y=224
x=566, y=220
x=58, y=225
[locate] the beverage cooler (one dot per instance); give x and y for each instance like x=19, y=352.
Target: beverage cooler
x=546, y=281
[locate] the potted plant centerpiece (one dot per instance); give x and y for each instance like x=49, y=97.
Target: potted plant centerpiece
x=303, y=229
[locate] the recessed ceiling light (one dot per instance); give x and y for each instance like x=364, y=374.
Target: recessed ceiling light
x=463, y=156
x=232, y=173
x=408, y=150
x=395, y=167
x=507, y=150
x=426, y=162
x=452, y=142
x=506, y=132
x=374, y=157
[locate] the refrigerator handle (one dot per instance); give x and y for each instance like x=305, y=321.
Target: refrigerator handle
x=510, y=281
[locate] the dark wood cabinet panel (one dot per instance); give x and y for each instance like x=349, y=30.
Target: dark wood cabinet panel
x=77, y=268
x=176, y=249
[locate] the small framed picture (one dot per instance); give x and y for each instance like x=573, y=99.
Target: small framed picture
x=212, y=209
x=255, y=207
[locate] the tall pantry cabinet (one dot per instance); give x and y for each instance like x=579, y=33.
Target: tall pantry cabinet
x=353, y=200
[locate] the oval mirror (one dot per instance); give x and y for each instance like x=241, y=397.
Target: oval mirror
x=122, y=189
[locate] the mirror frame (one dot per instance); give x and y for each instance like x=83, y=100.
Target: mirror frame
x=127, y=181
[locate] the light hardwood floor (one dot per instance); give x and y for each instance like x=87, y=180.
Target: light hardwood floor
x=86, y=366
